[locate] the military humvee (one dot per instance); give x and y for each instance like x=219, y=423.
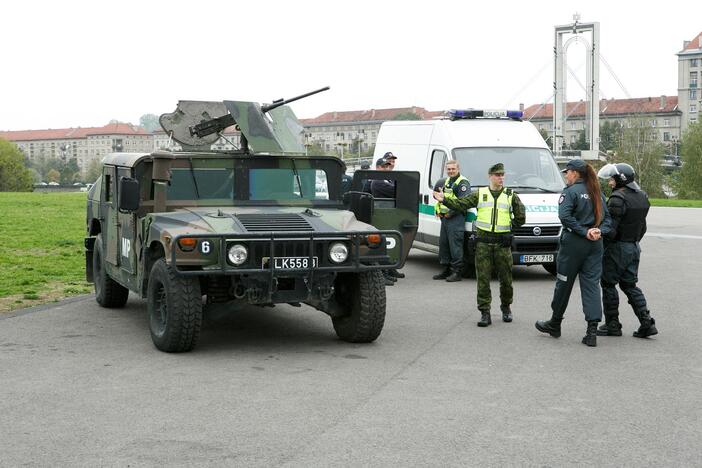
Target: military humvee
x=261, y=225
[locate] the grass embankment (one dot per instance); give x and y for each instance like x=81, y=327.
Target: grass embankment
x=676, y=203
x=41, y=248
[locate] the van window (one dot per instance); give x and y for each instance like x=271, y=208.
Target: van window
x=525, y=168
x=436, y=170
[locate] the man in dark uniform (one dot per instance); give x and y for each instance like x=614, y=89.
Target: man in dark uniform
x=628, y=205
x=499, y=209
x=453, y=222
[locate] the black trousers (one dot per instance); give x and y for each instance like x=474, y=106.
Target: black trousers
x=451, y=241
x=620, y=265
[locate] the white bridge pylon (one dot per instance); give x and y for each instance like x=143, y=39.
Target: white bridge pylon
x=592, y=83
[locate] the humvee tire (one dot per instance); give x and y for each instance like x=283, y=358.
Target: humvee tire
x=108, y=293
x=363, y=295
x=174, y=305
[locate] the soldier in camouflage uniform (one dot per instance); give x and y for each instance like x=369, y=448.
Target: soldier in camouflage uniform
x=499, y=209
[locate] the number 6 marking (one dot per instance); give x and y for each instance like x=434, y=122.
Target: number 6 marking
x=205, y=247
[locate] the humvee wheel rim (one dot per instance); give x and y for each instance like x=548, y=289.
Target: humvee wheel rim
x=160, y=310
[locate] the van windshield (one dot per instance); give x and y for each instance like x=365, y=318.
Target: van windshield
x=525, y=168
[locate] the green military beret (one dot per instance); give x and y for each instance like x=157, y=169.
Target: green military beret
x=498, y=168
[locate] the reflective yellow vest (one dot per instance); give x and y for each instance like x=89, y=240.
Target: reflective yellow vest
x=440, y=208
x=494, y=215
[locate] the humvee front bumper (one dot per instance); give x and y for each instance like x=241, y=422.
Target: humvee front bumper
x=275, y=254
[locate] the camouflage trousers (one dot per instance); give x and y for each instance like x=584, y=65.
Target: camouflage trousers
x=489, y=258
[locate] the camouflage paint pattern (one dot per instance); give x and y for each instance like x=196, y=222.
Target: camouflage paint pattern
x=144, y=231
x=489, y=258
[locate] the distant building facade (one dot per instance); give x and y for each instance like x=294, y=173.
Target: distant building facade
x=661, y=113
x=689, y=71
x=354, y=132
x=81, y=144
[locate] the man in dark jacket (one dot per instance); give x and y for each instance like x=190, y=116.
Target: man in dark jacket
x=628, y=206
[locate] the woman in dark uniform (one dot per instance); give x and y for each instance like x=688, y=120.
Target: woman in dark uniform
x=583, y=212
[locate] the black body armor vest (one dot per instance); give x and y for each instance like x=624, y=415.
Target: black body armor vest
x=633, y=225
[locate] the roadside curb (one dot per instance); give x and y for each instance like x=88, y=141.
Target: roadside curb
x=39, y=308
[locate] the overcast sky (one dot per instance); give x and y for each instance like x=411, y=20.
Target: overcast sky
x=70, y=64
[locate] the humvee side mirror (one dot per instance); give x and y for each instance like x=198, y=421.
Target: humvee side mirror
x=128, y=194
x=361, y=204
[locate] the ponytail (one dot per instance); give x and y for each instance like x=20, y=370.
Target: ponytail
x=595, y=193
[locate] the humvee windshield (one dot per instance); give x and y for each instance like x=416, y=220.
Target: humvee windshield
x=252, y=180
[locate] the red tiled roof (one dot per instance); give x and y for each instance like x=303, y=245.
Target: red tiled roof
x=369, y=115
x=647, y=105
x=694, y=44
x=73, y=133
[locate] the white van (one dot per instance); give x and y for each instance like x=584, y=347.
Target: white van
x=477, y=143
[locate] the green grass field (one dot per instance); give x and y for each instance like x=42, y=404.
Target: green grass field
x=676, y=203
x=41, y=248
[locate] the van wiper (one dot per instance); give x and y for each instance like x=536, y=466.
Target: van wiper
x=532, y=187
x=297, y=177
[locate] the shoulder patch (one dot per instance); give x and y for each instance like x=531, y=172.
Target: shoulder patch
x=562, y=197
x=463, y=188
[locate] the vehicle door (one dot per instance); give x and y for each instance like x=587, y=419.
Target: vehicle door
x=429, y=224
x=108, y=215
x=399, y=213
x=126, y=229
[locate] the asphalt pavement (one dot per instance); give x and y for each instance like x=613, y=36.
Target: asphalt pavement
x=83, y=386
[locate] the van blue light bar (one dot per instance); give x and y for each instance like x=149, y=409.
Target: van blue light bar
x=455, y=114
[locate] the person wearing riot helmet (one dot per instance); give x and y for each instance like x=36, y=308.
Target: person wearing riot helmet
x=499, y=209
x=453, y=222
x=585, y=218
x=628, y=205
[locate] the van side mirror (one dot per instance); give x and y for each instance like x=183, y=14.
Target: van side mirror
x=128, y=194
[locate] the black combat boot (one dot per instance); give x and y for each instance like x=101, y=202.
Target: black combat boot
x=485, y=319
x=506, y=313
x=396, y=274
x=610, y=328
x=648, y=325
x=552, y=327
x=612, y=325
x=590, y=337
x=444, y=274
x=454, y=276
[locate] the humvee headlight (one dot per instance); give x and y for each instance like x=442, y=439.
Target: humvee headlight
x=237, y=254
x=338, y=252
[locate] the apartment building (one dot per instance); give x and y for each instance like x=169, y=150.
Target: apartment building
x=689, y=71
x=661, y=113
x=81, y=144
x=354, y=132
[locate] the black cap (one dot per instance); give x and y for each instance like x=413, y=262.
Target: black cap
x=389, y=155
x=381, y=162
x=575, y=165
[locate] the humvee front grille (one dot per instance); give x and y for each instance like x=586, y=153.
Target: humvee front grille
x=274, y=222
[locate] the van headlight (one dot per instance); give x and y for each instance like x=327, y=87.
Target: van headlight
x=237, y=254
x=338, y=252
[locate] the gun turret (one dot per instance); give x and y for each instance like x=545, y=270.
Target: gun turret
x=198, y=124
